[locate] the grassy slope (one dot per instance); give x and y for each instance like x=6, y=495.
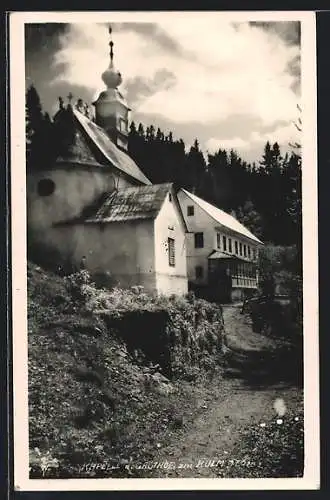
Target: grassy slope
x=89, y=400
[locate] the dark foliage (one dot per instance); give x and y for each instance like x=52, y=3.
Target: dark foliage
x=38, y=132
x=265, y=197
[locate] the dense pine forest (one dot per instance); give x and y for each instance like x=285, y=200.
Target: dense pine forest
x=265, y=196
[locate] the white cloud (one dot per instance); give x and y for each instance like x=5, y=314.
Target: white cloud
x=228, y=70
x=283, y=135
x=213, y=144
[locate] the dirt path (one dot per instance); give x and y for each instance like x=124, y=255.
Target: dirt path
x=227, y=409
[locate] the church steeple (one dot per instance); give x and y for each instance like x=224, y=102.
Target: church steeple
x=110, y=76
x=111, y=107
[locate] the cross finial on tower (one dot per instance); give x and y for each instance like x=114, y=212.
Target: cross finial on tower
x=111, y=44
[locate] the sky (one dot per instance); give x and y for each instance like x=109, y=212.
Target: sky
x=230, y=85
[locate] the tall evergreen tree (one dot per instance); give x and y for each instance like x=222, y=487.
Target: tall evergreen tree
x=38, y=132
x=196, y=167
x=141, y=130
x=33, y=121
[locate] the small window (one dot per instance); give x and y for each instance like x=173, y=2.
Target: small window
x=249, y=251
x=122, y=125
x=190, y=210
x=224, y=243
x=199, y=272
x=244, y=248
x=199, y=240
x=169, y=197
x=230, y=247
x=46, y=187
x=240, y=249
x=171, y=251
x=236, y=248
x=218, y=240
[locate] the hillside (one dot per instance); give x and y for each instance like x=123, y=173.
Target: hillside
x=100, y=407
x=91, y=398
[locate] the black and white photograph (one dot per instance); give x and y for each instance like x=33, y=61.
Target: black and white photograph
x=164, y=238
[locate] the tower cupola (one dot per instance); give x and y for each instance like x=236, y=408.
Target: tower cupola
x=111, y=108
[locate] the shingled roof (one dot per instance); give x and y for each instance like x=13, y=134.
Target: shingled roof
x=133, y=203
x=111, y=153
x=84, y=142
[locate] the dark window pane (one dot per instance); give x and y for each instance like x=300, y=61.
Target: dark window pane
x=199, y=240
x=199, y=272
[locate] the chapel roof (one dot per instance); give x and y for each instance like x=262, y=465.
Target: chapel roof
x=110, y=152
x=133, y=203
x=91, y=145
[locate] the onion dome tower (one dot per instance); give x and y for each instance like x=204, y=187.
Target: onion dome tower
x=111, y=108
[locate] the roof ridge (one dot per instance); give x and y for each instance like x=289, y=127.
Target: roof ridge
x=235, y=222
x=147, y=186
x=115, y=156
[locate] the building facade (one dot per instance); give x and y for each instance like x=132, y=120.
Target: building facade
x=222, y=254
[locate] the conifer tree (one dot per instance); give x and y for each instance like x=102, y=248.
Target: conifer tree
x=38, y=132
x=33, y=121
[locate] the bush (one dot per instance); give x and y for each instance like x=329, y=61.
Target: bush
x=178, y=333
x=280, y=270
x=95, y=398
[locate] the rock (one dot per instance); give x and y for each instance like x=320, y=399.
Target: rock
x=178, y=421
x=164, y=389
x=158, y=377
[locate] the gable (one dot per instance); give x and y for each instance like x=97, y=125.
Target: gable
x=215, y=215
x=171, y=210
x=78, y=151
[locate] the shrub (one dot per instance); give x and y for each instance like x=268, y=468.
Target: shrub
x=280, y=270
x=171, y=331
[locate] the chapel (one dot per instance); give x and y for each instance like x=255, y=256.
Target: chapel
x=92, y=206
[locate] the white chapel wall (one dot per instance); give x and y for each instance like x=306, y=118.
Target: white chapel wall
x=74, y=188
x=168, y=224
